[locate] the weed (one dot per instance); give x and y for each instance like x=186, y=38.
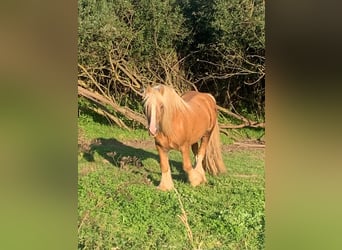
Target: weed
x=120, y=207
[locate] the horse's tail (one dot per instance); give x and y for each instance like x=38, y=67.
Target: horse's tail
x=213, y=162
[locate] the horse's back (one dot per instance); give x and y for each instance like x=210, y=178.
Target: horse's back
x=203, y=108
x=187, y=96
x=198, y=99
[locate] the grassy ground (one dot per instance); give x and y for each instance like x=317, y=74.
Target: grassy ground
x=119, y=206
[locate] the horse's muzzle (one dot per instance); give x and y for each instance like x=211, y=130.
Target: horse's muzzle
x=153, y=131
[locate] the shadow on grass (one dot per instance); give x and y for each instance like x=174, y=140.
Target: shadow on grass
x=123, y=156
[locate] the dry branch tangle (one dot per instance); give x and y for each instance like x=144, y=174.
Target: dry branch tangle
x=132, y=115
x=103, y=99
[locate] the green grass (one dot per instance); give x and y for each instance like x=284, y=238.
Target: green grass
x=120, y=207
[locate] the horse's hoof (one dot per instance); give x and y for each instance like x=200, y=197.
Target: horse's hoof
x=164, y=188
x=196, y=178
x=196, y=183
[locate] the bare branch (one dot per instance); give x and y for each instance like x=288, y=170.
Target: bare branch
x=104, y=99
x=244, y=125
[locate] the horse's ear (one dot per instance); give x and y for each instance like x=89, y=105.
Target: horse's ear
x=161, y=89
x=148, y=89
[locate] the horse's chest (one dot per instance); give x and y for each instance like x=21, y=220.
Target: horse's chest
x=166, y=142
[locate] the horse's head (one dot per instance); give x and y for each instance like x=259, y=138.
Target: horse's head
x=154, y=108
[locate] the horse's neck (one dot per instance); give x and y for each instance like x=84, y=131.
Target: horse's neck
x=169, y=123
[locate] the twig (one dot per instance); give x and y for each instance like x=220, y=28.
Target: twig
x=92, y=79
x=84, y=218
x=134, y=79
x=184, y=218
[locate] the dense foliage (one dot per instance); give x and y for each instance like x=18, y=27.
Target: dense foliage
x=212, y=45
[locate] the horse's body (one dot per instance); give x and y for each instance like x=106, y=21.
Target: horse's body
x=180, y=123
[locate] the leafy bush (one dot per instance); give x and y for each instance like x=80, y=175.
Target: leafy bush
x=225, y=51
x=216, y=46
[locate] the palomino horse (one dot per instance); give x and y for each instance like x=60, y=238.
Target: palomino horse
x=180, y=123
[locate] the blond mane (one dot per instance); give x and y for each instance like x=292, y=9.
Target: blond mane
x=171, y=101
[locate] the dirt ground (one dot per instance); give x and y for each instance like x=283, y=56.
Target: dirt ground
x=248, y=145
x=241, y=145
x=85, y=147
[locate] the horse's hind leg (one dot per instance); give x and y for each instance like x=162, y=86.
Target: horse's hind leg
x=166, y=182
x=200, y=156
x=195, y=178
x=194, y=148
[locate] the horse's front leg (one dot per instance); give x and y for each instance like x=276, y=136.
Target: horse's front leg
x=195, y=177
x=200, y=156
x=166, y=182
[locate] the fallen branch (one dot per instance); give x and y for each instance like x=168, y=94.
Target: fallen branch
x=101, y=100
x=116, y=120
x=230, y=113
x=244, y=125
x=250, y=145
x=246, y=122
